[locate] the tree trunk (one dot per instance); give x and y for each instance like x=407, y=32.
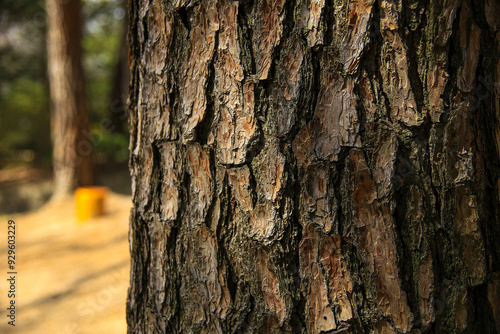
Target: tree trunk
x=119, y=86
x=71, y=138
x=315, y=166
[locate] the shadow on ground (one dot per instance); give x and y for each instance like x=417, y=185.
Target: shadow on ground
x=71, y=277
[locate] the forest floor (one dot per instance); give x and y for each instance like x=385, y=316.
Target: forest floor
x=71, y=277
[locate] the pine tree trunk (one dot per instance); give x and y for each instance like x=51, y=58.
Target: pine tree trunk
x=72, y=143
x=315, y=166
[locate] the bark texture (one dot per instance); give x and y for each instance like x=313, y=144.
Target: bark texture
x=72, y=144
x=315, y=166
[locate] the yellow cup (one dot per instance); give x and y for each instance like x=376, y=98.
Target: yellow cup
x=89, y=202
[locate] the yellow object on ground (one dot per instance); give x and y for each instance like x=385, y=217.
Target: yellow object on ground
x=90, y=202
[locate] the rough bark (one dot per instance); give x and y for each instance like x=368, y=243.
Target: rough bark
x=315, y=166
x=72, y=144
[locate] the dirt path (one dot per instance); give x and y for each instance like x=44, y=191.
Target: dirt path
x=72, y=278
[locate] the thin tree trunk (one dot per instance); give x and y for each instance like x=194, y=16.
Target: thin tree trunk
x=72, y=146
x=119, y=88
x=315, y=166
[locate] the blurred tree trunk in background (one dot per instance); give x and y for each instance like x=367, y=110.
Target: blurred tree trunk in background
x=315, y=166
x=72, y=143
x=121, y=79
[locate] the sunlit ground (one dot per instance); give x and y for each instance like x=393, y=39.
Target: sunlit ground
x=71, y=277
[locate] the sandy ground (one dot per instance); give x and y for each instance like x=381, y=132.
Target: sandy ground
x=71, y=277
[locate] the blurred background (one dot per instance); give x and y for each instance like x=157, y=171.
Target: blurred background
x=72, y=275
x=25, y=145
